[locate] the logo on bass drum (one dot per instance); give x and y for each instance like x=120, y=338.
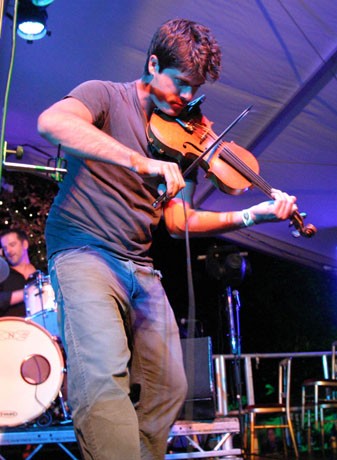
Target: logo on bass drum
x=18, y=335
x=8, y=413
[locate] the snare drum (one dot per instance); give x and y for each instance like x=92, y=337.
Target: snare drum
x=40, y=302
x=31, y=370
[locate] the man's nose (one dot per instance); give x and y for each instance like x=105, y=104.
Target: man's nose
x=186, y=93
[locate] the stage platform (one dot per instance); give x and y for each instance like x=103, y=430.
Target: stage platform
x=187, y=439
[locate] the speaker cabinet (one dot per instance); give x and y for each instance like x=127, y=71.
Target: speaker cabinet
x=200, y=401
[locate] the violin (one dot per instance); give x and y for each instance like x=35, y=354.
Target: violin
x=230, y=167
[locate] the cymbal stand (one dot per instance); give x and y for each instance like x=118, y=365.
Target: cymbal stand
x=40, y=292
x=39, y=283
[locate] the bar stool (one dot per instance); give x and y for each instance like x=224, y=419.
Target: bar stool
x=281, y=407
x=319, y=396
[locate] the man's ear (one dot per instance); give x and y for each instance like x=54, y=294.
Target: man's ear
x=153, y=64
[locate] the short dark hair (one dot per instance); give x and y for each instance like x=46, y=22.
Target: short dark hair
x=21, y=234
x=187, y=46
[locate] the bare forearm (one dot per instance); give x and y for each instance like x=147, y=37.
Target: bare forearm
x=69, y=123
x=17, y=297
x=84, y=140
x=200, y=223
x=8, y=298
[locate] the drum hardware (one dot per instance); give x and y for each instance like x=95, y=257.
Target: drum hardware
x=63, y=415
x=58, y=413
x=45, y=420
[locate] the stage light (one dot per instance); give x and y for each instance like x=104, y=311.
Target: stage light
x=227, y=264
x=32, y=19
x=42, y=2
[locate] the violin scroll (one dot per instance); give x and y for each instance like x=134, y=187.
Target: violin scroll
x=297, y=220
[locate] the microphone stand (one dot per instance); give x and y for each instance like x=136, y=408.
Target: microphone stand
x=233, y=301
x=57, y=170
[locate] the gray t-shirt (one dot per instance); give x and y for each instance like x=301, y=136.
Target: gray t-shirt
x=106, y=205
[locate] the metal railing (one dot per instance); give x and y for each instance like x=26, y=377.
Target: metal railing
x=221, y=372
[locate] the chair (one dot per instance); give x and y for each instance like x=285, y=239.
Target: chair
x=318, y=396
x=256, y=412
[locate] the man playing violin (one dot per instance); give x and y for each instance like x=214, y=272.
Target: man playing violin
x=126, y=380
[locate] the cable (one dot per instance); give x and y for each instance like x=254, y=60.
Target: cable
x=191, y=294
x=8, y=84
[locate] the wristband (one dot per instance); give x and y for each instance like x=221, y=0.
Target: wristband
x=247, y=218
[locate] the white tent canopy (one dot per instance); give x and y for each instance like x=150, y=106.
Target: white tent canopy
x=278, y=55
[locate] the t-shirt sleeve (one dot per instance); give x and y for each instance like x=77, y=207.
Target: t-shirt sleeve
x=5, y=299
x=96, y=96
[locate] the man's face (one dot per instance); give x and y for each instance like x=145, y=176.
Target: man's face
x=14, y=249
x=172, y=90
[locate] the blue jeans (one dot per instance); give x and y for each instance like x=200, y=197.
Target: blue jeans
x=119, y=332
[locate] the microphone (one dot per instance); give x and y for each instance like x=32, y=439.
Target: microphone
x=237, y=298
x=195, y=103
x=4, y=270
x=18, y=152
x=187, y=112
x=231, y=323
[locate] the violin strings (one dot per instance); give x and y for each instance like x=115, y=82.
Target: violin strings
x=236, y=162
x=240, y=166
x=247, y=172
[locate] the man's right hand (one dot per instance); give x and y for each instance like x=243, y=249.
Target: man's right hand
x=168, y=170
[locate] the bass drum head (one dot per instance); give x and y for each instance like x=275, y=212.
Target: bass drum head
x=31, y=370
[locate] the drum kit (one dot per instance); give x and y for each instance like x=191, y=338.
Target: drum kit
x=32, y=371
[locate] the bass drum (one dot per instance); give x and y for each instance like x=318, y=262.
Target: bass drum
x=31, y=370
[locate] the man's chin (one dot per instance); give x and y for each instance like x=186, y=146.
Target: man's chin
x=173, y=111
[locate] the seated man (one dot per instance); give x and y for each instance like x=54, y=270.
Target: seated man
x=14, y=243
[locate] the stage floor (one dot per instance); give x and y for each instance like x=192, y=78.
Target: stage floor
x=219, y=437
x=213, y=438
x=54, y=452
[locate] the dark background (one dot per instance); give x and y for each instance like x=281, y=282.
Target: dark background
x=285, y=306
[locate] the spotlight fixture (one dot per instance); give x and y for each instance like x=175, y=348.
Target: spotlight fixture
x=32, y=19
x=227, y=263
x=42, y=2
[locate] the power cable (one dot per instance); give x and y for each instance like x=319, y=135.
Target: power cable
x=8, y=85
